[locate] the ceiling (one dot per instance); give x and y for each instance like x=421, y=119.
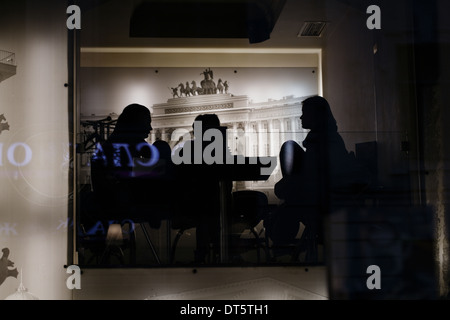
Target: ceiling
x=206, y=23
x=249, y=19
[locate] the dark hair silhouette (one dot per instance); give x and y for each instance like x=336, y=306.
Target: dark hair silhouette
x=318, y=113
x=133, y=122
x=209, y=120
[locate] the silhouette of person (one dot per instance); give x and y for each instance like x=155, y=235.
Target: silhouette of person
x=120, y=180
x=162, y=186
x=202, y=199
x=310, y=176
x=165, y=158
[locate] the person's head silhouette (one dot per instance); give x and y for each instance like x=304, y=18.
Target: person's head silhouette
x=208, y=120
x=317, y=115
x=134, y=122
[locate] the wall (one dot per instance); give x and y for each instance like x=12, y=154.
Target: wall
x=366, y=82
x=109, y=89
x=432, y=51
x=34, y=188
x=389, y=81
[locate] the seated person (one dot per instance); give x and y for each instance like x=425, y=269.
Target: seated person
x=310, y=177
x=126, y=180
x=201, y=192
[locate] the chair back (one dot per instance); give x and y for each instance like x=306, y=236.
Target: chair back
x=249, y=207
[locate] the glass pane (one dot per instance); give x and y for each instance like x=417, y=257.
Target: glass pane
x=203, y=195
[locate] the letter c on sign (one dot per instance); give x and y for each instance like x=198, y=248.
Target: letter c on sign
x=154, y=158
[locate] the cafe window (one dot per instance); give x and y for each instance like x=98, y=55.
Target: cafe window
x=174, y=226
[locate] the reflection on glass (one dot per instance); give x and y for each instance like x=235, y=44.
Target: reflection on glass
x=216, y=200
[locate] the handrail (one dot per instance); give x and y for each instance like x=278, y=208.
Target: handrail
x=7, y=57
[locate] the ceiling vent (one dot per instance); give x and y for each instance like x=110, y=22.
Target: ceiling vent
x=312, y=29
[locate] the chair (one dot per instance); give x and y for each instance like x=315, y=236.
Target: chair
x=248, y=209
x=180, y=224
x=293, y=229
x=107, y=231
